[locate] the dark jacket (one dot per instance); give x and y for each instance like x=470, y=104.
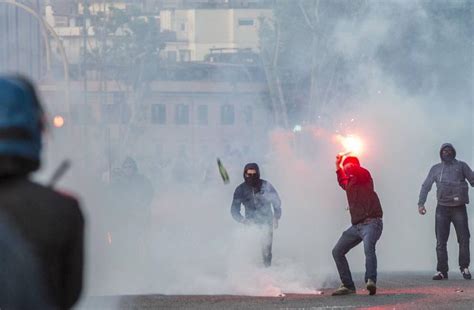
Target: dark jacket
x=19, y=275
x=363, y=200
x=258, y=203
x=52, y=226
x=450, y=178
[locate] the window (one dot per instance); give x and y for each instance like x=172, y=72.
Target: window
x=182, y=114
x=61, y=21
x=248, y=115
x=184, y=55
x=118, y=98
x=81, y=114
x=202, y=115
x=245, y=22
x=183, y=27
x=79, y=21
x=115, y=113
x=172, y=56
x=94, y=98
x=158, y=114
x=227, y=114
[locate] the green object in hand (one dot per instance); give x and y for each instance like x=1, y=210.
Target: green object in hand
x=223, y=172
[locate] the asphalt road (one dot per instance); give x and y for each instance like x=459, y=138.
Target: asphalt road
x=395, y=291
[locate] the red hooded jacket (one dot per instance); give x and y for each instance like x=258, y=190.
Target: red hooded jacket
x=363, y=200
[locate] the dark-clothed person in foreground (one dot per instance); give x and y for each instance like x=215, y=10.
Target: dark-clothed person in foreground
x=19, y=274
x=51, y=224
x=452, y=194
x=262, y=207
x=366, y=218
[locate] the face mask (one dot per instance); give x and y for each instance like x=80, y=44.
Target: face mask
x=447, y=156
x=251, y=180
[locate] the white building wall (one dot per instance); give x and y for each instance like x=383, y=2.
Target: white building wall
x=203, y=29
x=247, y=34
x=197, y=31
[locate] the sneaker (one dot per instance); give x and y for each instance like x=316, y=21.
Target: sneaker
x=343, y=290
x=440, y=276
x=371, y=287
x=466, y=274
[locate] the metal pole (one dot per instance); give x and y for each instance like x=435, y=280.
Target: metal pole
x=17, y=44
x=38, y=42
x=3, y=36
x=84, y=43
x=7, y=28
x=46, y=26
x=30, y=47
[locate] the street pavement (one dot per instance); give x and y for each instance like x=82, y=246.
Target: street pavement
x=394, y=291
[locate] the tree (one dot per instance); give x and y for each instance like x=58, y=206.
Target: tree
x=314, y=49
x=296, y=49
x=127, y=45
x=127, y=50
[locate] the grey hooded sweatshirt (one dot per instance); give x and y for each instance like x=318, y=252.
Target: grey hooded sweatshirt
x=450, y=178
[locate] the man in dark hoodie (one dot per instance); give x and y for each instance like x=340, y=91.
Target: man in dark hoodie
x=50, y=223
x=366, y=218
x=452, y=194
x=262, y=207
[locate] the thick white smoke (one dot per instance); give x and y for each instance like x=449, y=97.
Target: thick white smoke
x=197, y=248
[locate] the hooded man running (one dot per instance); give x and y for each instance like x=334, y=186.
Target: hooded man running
x=262, y=207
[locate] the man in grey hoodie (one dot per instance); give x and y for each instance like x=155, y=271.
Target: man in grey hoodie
x=452, y=194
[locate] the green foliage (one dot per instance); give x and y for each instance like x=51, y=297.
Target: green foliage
x=128, y=45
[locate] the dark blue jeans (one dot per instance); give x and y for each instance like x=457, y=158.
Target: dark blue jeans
x=266, y=241
x=444, y=217
x=368, y=232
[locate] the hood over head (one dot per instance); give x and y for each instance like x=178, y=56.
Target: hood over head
x=254, y=180
x=130, y=163
x=448, y=158
x=351, y=160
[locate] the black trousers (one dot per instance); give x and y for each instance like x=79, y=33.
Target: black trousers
x=444, y=217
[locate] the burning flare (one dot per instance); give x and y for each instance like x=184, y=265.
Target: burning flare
x=352, y=145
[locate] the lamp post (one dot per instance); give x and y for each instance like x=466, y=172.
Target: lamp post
x=45, y=28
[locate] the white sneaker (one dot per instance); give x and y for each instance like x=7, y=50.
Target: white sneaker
x=440, y=276
x=466, y=274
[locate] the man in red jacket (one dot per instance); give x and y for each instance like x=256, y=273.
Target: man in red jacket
x=366, y=218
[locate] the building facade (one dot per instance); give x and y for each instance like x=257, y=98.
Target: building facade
x=198, y=31
x=191, y=28
x=188, y=119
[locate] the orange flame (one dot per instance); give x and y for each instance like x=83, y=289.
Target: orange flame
x=58, y=121
x=351, y=144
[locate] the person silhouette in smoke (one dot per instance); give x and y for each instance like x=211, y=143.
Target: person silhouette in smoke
x=129, y=224
x=138, y=188
x=262, y=207
x=452, y=192
x=366, y=218
x=50, y=223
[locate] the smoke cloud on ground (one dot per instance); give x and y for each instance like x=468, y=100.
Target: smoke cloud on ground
x=197, y=248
